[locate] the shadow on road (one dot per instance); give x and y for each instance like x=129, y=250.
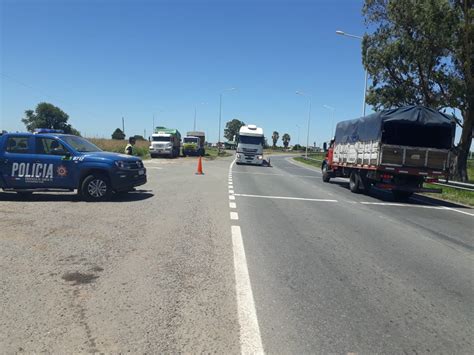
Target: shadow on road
x=138, y=195
x=387, y=196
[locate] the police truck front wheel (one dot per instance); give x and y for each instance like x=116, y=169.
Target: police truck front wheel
x=96, y=187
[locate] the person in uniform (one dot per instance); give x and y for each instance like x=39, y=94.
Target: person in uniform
x=130, y=148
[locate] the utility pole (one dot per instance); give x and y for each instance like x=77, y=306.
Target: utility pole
x=123, y=125
x=194, y=126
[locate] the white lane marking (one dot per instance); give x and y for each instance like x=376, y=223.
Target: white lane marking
x=284, y=175
x=455, y=210
x=231, y=191
x=400, y=205
x=232, y=205
x=234, y=216
x=153, y=167
x=443, y=207
x=231, y=197
x=250, y=339
x=288, y=198
x=231, y=186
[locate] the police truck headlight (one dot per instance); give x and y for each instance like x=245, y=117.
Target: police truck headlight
x=120, y=164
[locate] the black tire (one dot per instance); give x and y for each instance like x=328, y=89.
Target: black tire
x=326, y=176
x=401, y=195
x=96, y=187
x=354, y=182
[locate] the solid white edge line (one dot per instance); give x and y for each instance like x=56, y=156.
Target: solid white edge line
x=234, y=216
x=455, y=210
x=288, y=198
x=442, y=207
x=250, y=338
x=400, y=205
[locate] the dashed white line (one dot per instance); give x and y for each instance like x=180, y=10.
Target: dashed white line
x=232, y=205
x=288, y=198
x=231, y=197
x=231, y=191
x=250, y=339
x=234, y=216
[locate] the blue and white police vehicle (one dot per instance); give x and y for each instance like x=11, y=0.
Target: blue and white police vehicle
x=49, y=160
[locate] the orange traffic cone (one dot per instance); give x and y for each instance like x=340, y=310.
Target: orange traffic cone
x=199, y=171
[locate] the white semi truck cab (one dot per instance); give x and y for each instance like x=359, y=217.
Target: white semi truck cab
x=250, y=146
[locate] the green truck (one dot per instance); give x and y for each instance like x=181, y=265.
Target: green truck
x=193, y=143
x=165, y=142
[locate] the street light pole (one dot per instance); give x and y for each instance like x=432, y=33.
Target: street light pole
x=298, y=134
x=220, y=116
x=342, y=33
x=194, y=126
x=309, y=120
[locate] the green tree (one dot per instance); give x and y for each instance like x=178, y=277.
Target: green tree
x=286, y=140
x=232, y=129
x=118, y=134
x=49, y=116
x=421, y=53
x=275, y=137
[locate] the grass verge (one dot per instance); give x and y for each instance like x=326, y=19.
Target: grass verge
x=118, y=146
x=213, y=153
x=453, y=195
x=314, y=163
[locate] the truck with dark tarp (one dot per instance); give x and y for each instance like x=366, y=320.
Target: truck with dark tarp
x=396, y=149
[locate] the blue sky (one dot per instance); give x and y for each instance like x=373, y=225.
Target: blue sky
x=101, y=60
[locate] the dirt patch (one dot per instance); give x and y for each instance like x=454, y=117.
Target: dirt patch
x=79, y=278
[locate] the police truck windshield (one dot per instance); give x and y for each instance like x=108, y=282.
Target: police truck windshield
x=250, y=140
x=80, y=144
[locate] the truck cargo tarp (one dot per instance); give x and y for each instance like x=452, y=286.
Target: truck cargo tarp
x=409, y=125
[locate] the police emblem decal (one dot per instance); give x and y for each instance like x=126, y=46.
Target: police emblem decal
x=62, y=171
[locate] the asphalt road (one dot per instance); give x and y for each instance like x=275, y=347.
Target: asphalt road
x=243, y=259
x=337, y=272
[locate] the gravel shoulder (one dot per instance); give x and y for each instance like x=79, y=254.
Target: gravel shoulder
x=150, y=271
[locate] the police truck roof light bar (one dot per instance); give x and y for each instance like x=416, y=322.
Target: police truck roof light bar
x=47, y=130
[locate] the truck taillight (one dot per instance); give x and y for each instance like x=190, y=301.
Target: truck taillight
x=386, y=177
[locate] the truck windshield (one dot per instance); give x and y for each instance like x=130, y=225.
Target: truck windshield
x=161, y=139
x=190, y=140
x=80, y=144
x=250, y=140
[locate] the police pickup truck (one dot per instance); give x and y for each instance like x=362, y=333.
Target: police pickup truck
x=48, y=160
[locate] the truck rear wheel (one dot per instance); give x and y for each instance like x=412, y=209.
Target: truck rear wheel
x=96, y=187
x=354, y=182
x=326, y=176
